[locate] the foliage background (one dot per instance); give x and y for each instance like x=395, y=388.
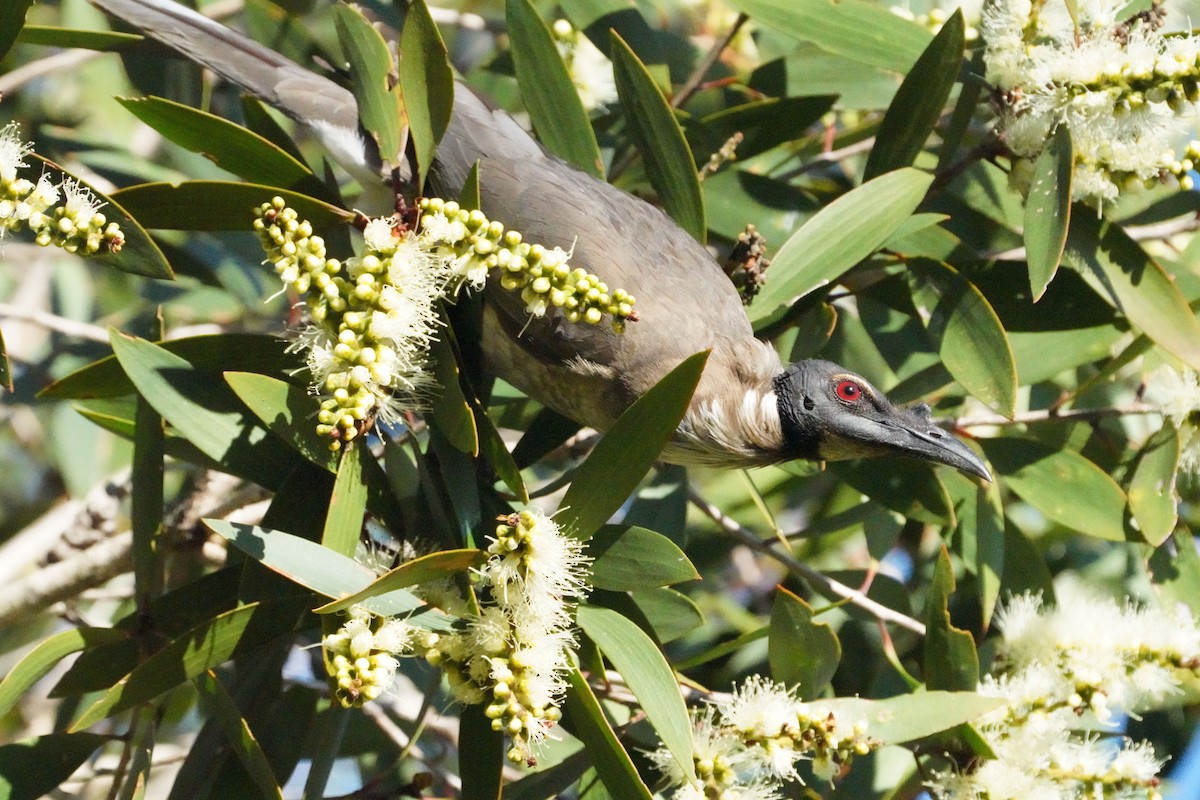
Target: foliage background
x=1067, y=487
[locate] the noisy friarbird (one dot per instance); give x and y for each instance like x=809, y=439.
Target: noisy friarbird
x=749, y=409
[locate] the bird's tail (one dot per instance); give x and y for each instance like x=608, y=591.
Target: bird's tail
x=476, y=132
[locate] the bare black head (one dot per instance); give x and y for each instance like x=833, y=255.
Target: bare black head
x=828, y=413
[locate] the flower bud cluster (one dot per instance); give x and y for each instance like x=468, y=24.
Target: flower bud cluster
x=753, y=739
x=541, y=275
x=362, y=655
x=513, y=656
x=1126, y=92
x=76, y=224
x=1061, y=670
x=373, y=317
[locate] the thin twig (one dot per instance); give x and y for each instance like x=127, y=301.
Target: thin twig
x=1049, y=415
x=1139, y=233
x=692, y=84
x=65, y=60
x=53, y=322
x=822, y=582
x=831, y=157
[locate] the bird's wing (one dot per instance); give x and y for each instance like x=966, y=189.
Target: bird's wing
x=684, y=302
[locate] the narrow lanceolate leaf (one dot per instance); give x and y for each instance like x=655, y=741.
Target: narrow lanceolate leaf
x=348, y=503
x=434, y=566
x=548, y=92
x=968, y=334
x=839, y=236
x=1175, y=571
x=229, y=146
x=1062, y=484
x=451, y=412
x=803, y=653
x=913, y=716
x=209, y=644
x=1152, y=507
x=919, y=102
x=202, y=409
x=238, y=734
x=146, y=502
x=951, y=662
x=855, y=29
x=300, y=560
x=613, y=470
x=5, y=369
x=46, y=655
x=217, y=205
x=33, y=767
x=647, y=675
x=1133, y=282
x=12, y=19
x=1048, y=210
x=287, y=410
x=660, y=140
x=379, y=106
x=426, y=83
x=610, y=759
x=139, y=255
x=627, y=558
x=75, y=38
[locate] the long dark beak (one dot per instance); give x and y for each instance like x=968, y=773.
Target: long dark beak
x=909, y=432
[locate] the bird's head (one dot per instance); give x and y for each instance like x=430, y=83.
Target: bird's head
x=828, y=413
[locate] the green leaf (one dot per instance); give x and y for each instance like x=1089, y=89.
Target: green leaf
x=32, y=768
x=146, y=502
x=74, y=38
x=670, y=614
x=910, y=488
x=628, y=558
x=209, y=644
x=38, y=662
x=229, y=146
x=919, y=103
x=12, y=19
x=432, y=567
x=238, y=734
x=307, y=563
x=859, y=30
x=287, y=411
x=549, y=94
x=618, y=463
x=981, y=537
x=497, y=453
x=765, y=123
x=203, y=410
x=803, y=653
x=218, y=205
x=348, y=503
x=5, y=367
x=1134, y=283
x=1175, y=571
x=609, y=758
x=839, y=236
x=647, y=675
x=426, y=83
x=380, y=108
x=482, y=773
x=1152, y=504
x=139, y=255
x=1048, y=210
x=970, y=339
x=913, y=716
x=951, y=662
x=1062, y=484
x=451, y=411
x=660, y=140
x=211, y=353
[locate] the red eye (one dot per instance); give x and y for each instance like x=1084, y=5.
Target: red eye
x=848, y=391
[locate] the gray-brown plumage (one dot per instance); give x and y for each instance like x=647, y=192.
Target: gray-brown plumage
x=748, y=409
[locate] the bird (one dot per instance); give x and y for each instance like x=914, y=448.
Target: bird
x=749, y=409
